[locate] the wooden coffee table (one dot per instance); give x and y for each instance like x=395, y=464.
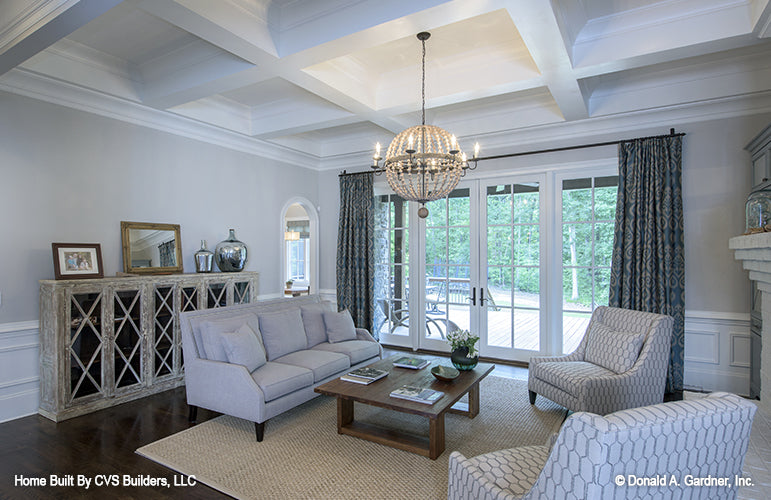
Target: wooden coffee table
x=377, y=394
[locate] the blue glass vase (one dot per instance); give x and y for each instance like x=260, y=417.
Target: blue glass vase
x=461, y=361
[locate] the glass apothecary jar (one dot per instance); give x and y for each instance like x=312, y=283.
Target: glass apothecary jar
x=758, y=210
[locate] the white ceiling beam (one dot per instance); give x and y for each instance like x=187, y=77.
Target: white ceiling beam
x=541, y=33
x=61, y=19
x=194, y=91
x=268, y=65
x=761, y=16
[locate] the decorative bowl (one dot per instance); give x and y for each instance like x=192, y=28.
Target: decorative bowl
x=444, y=373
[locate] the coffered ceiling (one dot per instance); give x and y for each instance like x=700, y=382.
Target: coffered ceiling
x=318, y=82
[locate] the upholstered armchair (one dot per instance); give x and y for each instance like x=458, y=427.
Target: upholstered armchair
x=620, y=363
x=595, y=457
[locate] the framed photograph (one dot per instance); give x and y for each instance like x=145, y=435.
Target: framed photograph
x=77, y=260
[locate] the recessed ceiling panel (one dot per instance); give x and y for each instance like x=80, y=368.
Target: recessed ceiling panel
x=262, y=93
x=132, y=35
x=502, y=112
x=465, y=56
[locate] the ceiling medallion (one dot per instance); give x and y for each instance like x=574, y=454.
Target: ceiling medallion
x=424, y=163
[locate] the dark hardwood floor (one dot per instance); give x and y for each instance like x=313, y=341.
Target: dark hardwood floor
x=103, y=444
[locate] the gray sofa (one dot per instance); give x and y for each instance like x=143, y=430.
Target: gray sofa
x=255, y=361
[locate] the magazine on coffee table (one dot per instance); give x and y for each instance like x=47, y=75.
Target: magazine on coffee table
x=364, y=375
x=417, y=394
x=411, y=362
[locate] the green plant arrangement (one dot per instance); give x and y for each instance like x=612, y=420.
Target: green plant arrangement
x=464, y=354
x=463, y=338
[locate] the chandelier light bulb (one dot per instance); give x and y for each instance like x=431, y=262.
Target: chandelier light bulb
x=476, y=150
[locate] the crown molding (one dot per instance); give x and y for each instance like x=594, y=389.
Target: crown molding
x=30, y=84
x=509, y=141
x=28, y=21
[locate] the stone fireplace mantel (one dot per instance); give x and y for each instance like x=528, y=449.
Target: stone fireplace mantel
x=754, y=250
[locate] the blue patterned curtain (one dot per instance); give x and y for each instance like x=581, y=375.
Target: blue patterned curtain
x=648, y=269
x=168, y=254
x=355, y=241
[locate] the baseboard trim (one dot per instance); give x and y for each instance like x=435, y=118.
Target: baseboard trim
x=22, y=404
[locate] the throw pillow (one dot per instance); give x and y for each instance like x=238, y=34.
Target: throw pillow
x=242, y=347
x=282, y=332
x=340, y=326
x=313, y=320
x=212, y=330
x=612, y=349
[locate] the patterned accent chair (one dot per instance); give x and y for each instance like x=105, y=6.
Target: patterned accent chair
x=620, y=363
x=667, y=443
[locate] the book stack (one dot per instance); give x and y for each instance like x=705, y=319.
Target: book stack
x=411, y=362
x=417, y=394
x=364, y=375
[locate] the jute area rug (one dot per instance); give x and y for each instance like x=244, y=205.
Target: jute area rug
x=302, y=456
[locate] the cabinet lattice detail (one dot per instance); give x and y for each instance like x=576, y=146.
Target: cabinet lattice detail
x=108, y=341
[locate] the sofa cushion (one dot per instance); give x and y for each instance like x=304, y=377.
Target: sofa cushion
x=356, y=350
x=212, y=330
x=323, y=364
x=313, y=320
x=340, y=326
x=279, y=379
x=242, y=347
x=568, y=375
x=612, y=349
x=282, y=332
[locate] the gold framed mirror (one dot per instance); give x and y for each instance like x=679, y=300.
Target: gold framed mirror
x=151, y=248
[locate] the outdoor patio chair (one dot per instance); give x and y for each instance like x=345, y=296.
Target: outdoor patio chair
x=400, y=317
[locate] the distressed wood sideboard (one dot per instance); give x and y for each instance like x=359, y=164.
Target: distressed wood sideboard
x=107, y=341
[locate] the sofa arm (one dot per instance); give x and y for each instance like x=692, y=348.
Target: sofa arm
x=224, y=387
x=467, y=482
x=363, y=334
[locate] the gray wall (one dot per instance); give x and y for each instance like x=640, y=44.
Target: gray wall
x=68, y=176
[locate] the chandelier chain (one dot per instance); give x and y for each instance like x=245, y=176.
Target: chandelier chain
x=423, y=89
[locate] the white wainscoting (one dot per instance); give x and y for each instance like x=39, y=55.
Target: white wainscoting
x=717, y=352
x=19, y=371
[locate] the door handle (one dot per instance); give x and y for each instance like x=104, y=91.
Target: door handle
x=473, y=297
x=481, y=296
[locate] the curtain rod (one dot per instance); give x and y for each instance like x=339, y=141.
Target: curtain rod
x=584, y=146
x=344, y=173
x=565, y=148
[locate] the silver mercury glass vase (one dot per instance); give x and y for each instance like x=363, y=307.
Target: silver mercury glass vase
x=230, y=254
x=203, y=259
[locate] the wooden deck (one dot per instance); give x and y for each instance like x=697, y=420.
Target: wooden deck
x=526, y=328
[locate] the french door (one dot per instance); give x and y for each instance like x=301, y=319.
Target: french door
x=520, y=260
x=478, y=268
x=512, y=249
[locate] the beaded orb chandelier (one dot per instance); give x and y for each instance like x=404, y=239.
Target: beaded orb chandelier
x=424, y=163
